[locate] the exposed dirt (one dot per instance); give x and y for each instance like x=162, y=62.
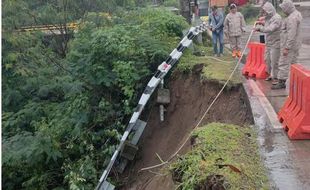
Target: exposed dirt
x=189, y=99
x=213, y=182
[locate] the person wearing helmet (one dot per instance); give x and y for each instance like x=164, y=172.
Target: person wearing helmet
x=290, y=41
x=234, y=25
x=271, y=25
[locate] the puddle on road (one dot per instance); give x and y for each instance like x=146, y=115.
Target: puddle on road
x=288, y=162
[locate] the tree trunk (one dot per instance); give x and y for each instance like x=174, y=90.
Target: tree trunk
x=185, y=10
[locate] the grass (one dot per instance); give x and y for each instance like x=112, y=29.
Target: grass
x=213, y=68
x=227, y=151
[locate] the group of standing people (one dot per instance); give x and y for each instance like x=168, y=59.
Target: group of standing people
x=232, y=27
x=283, y=39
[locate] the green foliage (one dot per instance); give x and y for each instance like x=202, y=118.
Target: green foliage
x=249, y=11
x=20, y=151
x=158, y=22
x=19, y=13
x=56, y=14
x=217, y=146
x=171, y=3
x=213, y=69
x=63, y=116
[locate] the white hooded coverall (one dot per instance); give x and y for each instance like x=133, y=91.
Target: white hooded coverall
x=234, y=25
x=290, y=38
x=272, y=28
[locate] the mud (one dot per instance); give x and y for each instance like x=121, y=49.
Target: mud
x=189, y=99
x=214, y=182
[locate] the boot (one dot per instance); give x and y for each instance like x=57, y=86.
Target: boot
x=274, y=81
x=234, y=53
x=268, y=78
x=238, y=53
x=280, y=85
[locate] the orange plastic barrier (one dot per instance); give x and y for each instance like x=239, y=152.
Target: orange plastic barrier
x=255, y=65
x=295, y=114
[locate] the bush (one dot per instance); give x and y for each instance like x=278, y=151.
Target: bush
x=221, y=151
x=249, y=11
x=171, y=3
x=66, y=125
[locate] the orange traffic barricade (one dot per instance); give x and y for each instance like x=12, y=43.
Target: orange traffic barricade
x=295, y=114
x=255, y=65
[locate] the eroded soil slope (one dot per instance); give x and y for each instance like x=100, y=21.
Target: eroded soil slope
x=190, y=97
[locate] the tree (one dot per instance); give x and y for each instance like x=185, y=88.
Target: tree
x=55, y=15
x=63, y=116
x=186, y=9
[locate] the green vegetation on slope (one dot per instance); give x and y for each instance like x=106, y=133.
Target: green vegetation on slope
x=223, y=155
x=66, y=101
x=64, y=111
x=216, y=69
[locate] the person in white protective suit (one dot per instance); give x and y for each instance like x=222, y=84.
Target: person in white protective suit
x=271, y=25
x=290, y=41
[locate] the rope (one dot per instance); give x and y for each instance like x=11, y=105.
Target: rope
x=208, y=109
x=217, y=59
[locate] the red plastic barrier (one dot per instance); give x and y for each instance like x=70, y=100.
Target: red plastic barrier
x=238, y=2
x=255, y=65
x=295, y=114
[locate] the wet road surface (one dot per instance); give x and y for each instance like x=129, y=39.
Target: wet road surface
x=287, y=161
